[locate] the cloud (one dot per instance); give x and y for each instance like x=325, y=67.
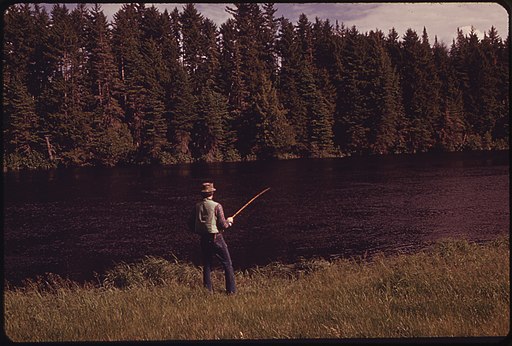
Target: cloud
x=217, y=14
x=324, y=11
x=440, y=19
x=466, y=30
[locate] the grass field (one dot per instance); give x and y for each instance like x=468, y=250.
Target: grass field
x=453, y=288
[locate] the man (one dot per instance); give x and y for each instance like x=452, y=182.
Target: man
x=207, y=220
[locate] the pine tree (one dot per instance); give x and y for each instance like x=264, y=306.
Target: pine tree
x=211, y=142
x=288, y=85
x=39, y=68
x=394, y=49
x=451, y=127
x=247, y=70
x=420, y=86
x=181, y=105
x=274, y=135
x=231, y=83
x=111, y=138
x=21, y=124
x=501, y=129
x=62, y=106
x=324, y=68
x=383, y=99
x=126, y=39
x=19, y=41
x=492, y=79
x=316, y=103
x=22, y=127
x=269, y=35
x=324, y=47
x=193, y=43
x=209, y=68
x=154, y=124
x=351, y=115
x=305, y=38
x=319, y=115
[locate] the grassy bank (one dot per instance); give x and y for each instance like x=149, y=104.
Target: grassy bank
x=454, y=288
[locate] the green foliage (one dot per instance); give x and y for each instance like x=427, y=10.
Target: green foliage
x=31, y=160
x=112, y=144
x=22, y=127
x=421, y=97
x=182, y=90
x=274, y=135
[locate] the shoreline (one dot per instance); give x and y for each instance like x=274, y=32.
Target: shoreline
x=287, y=269
x=249, y=160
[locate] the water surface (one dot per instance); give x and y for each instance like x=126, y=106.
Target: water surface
x=78, y=221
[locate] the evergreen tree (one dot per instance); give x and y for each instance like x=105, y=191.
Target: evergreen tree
x=247, y=70
x=154, y=124
x=351, y=116
x=324, y=48
x=67, y=123
x=492, y=83
x=126, y=39
x=22, y=127
x=420, y=86
x=111, y=138
x=182, y=109
x=501, y=129
x=19, y=42
x=274, y=135
x=211, y=140
x=324, y=67
x=209, y=69
x=269, y=35
x=319, y=115
x=383, y=99
x=319, y=110
x=305, y=38
x=394, y=48
x=288, y=85
x=451, y=128
x=39, y=68
x=193, y=43
x=21, y=124
x=479, y=81
x=171, y=87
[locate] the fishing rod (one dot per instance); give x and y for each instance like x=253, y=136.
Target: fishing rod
x=246, y=204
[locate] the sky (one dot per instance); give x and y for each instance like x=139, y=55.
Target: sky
x=441, y=19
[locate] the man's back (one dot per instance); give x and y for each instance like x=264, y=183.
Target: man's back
x=205, y=220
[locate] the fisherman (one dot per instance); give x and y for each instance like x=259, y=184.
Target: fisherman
x=207, y=219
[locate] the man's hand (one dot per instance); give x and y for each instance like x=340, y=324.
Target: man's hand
x=230, y=220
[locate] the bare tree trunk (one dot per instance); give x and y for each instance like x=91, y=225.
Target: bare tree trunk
x=51, y=151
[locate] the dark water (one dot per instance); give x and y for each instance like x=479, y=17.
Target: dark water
x=78, y=221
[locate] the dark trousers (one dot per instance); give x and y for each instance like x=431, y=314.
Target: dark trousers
x=214, y=245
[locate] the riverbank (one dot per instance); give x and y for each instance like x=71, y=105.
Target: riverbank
x=15, y=163
x=454, y=288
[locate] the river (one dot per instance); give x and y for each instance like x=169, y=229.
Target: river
x=75, y=222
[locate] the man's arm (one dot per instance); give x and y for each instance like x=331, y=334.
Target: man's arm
x=222, y=223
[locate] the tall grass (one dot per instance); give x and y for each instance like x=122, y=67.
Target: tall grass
x=454, y=288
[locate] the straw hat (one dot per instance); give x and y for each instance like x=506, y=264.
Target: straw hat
x=208, y=187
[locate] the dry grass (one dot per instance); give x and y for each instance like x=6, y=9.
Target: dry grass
x=454, y=288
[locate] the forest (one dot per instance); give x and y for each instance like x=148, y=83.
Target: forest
x=152, y=87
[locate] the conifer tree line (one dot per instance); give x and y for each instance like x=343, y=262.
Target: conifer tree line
x=169, y=87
